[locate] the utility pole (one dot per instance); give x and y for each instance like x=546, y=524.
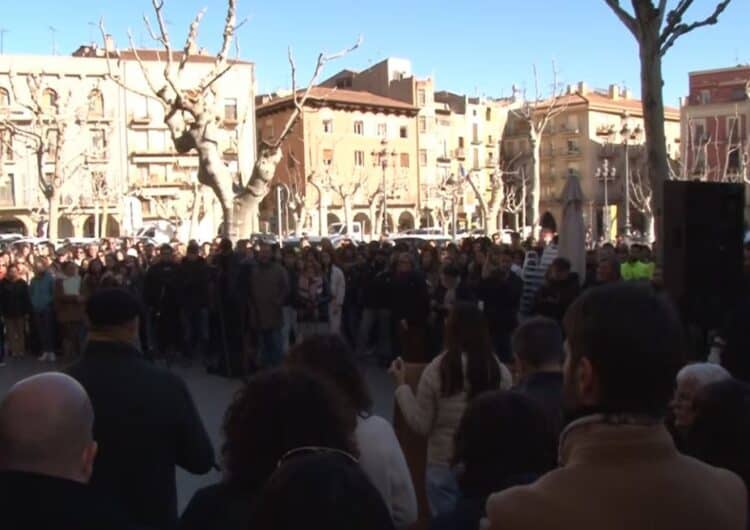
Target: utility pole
x=3, y=31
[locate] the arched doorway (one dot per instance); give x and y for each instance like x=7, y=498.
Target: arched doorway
x=365, y=221
x=405, y=221
x=332, y=218
x=427, y=220
x=548, y=222
x=12, y=225
x=112, y=229
x=65, y=228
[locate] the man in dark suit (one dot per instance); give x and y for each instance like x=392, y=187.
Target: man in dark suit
x=538, y=350
x=146, y=422
x=47, y=453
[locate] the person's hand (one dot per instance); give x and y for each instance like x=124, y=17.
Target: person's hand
x=398, y=371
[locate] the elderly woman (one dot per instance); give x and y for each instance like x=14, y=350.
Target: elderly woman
x=690, y=381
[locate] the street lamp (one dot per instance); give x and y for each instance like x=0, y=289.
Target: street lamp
x=605, y=174
x=380, y=158
x=628, y=134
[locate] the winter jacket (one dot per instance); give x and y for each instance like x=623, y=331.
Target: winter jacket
x=14, y=298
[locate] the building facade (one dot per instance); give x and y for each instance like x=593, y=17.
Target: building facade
x=591, y=127
x=347, y=150
x=715, y=118
x=129, y=172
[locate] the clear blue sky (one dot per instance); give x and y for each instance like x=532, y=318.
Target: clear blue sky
x=482, y=46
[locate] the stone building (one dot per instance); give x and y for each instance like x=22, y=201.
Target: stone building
x=347, y=149
x=588, y=131
x=129, y=173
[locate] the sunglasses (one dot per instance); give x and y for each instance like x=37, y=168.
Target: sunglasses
x=314, y=450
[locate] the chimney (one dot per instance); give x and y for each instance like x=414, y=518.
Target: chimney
x=614, y=92
x=109, y=44
x=569, y=90
x=628, y=94
x=582, y=88
x=683, y=101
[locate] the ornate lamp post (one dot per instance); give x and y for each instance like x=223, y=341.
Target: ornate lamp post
x=380, y=158
x=605, y=173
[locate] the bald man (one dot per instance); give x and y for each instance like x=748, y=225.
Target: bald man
x=47, y=454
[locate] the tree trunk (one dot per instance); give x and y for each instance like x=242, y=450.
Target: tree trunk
x=648, y=228
x=653, y=118
x=54, y=213
x=105, y=219
x=492, y=225
x=536, y=182
x=346, y=201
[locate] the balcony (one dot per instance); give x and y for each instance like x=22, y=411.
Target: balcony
x=476, y=141
x=573, y=151
x=137, y=120
x=568, y=129
x=443, y=159
x=490, y=163
x=460, y=153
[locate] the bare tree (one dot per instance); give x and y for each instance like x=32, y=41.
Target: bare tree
x=537, y=113
x=348, y=192
x=491, y=209
x=191, y=116
x=656, y=28
x=53, y=134
x=515, y=194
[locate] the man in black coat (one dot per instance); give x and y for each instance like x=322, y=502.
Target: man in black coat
x=410, y=308
x=146, y=421
x=194, y=283
x=500, y=294
x=160, y=292
x=47, y=454
x=538, y=350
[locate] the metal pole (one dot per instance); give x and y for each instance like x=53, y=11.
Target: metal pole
x=626, y=228
x=384, y=164
x=278, y=214
x=606, y=204
x=453, y=216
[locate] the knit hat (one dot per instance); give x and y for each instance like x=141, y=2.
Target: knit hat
x=112, y=307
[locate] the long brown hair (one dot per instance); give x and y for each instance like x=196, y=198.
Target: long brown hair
x=466, y=333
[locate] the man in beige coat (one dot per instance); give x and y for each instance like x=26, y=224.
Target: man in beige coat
x=619, y=467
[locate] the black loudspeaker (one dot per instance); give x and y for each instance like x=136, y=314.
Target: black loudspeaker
x=703, y=239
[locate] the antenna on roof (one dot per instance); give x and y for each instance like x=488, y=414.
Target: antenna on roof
x=53, y=32
x=3, y=31
x=92, y=27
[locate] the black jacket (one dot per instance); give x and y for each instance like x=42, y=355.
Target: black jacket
x=194, y=282
x=146, y=424
x=217, y=507
x=554, y=297
x=14, y=298
x=546, y=389
x=161, y=287
x=501, y=298
x=409, y=299
x=37, y=502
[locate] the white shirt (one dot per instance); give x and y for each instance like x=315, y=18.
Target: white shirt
x=383, y=461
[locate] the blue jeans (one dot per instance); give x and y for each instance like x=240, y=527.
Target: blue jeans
x=269, y=347
x=442, y=489
x=44, y=325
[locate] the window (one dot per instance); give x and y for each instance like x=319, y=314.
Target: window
x=573, y=147
x=423, y=158
x=705, y=97
x=572, y=123
x=475, y=133
x=475, y=158
x=230, y=110
x=699, y=132
x=6, y=190
x=733, y=165
x=403, y=132
x=488, y=114
x=421, y=97
x=268, y=132
x=460, y=142
x=404, y=159
x=328, y=126
x=156, y=143
x=49, y=100
x=157, y=173
x=96, y=104
x=382, y=130
x=422, y=124
x=327, y=157
x=6, y=145
x=4, y=97
x=359, y=128
x=490, y=140
x=99, y=143
x=359, y=158
x=52, y=137
x=474, y=113
x=733, y=129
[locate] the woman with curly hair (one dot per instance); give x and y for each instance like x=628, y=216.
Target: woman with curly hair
x=275, y=413
x=381, y=456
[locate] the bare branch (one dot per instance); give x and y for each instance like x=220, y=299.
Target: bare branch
x=192, y=40
x=676, y=28
x=625, y=17
x=299, y=103
x=220, y=65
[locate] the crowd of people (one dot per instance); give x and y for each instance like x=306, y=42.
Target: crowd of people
x=545, y=399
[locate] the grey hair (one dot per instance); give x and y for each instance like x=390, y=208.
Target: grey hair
x=704, y=373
